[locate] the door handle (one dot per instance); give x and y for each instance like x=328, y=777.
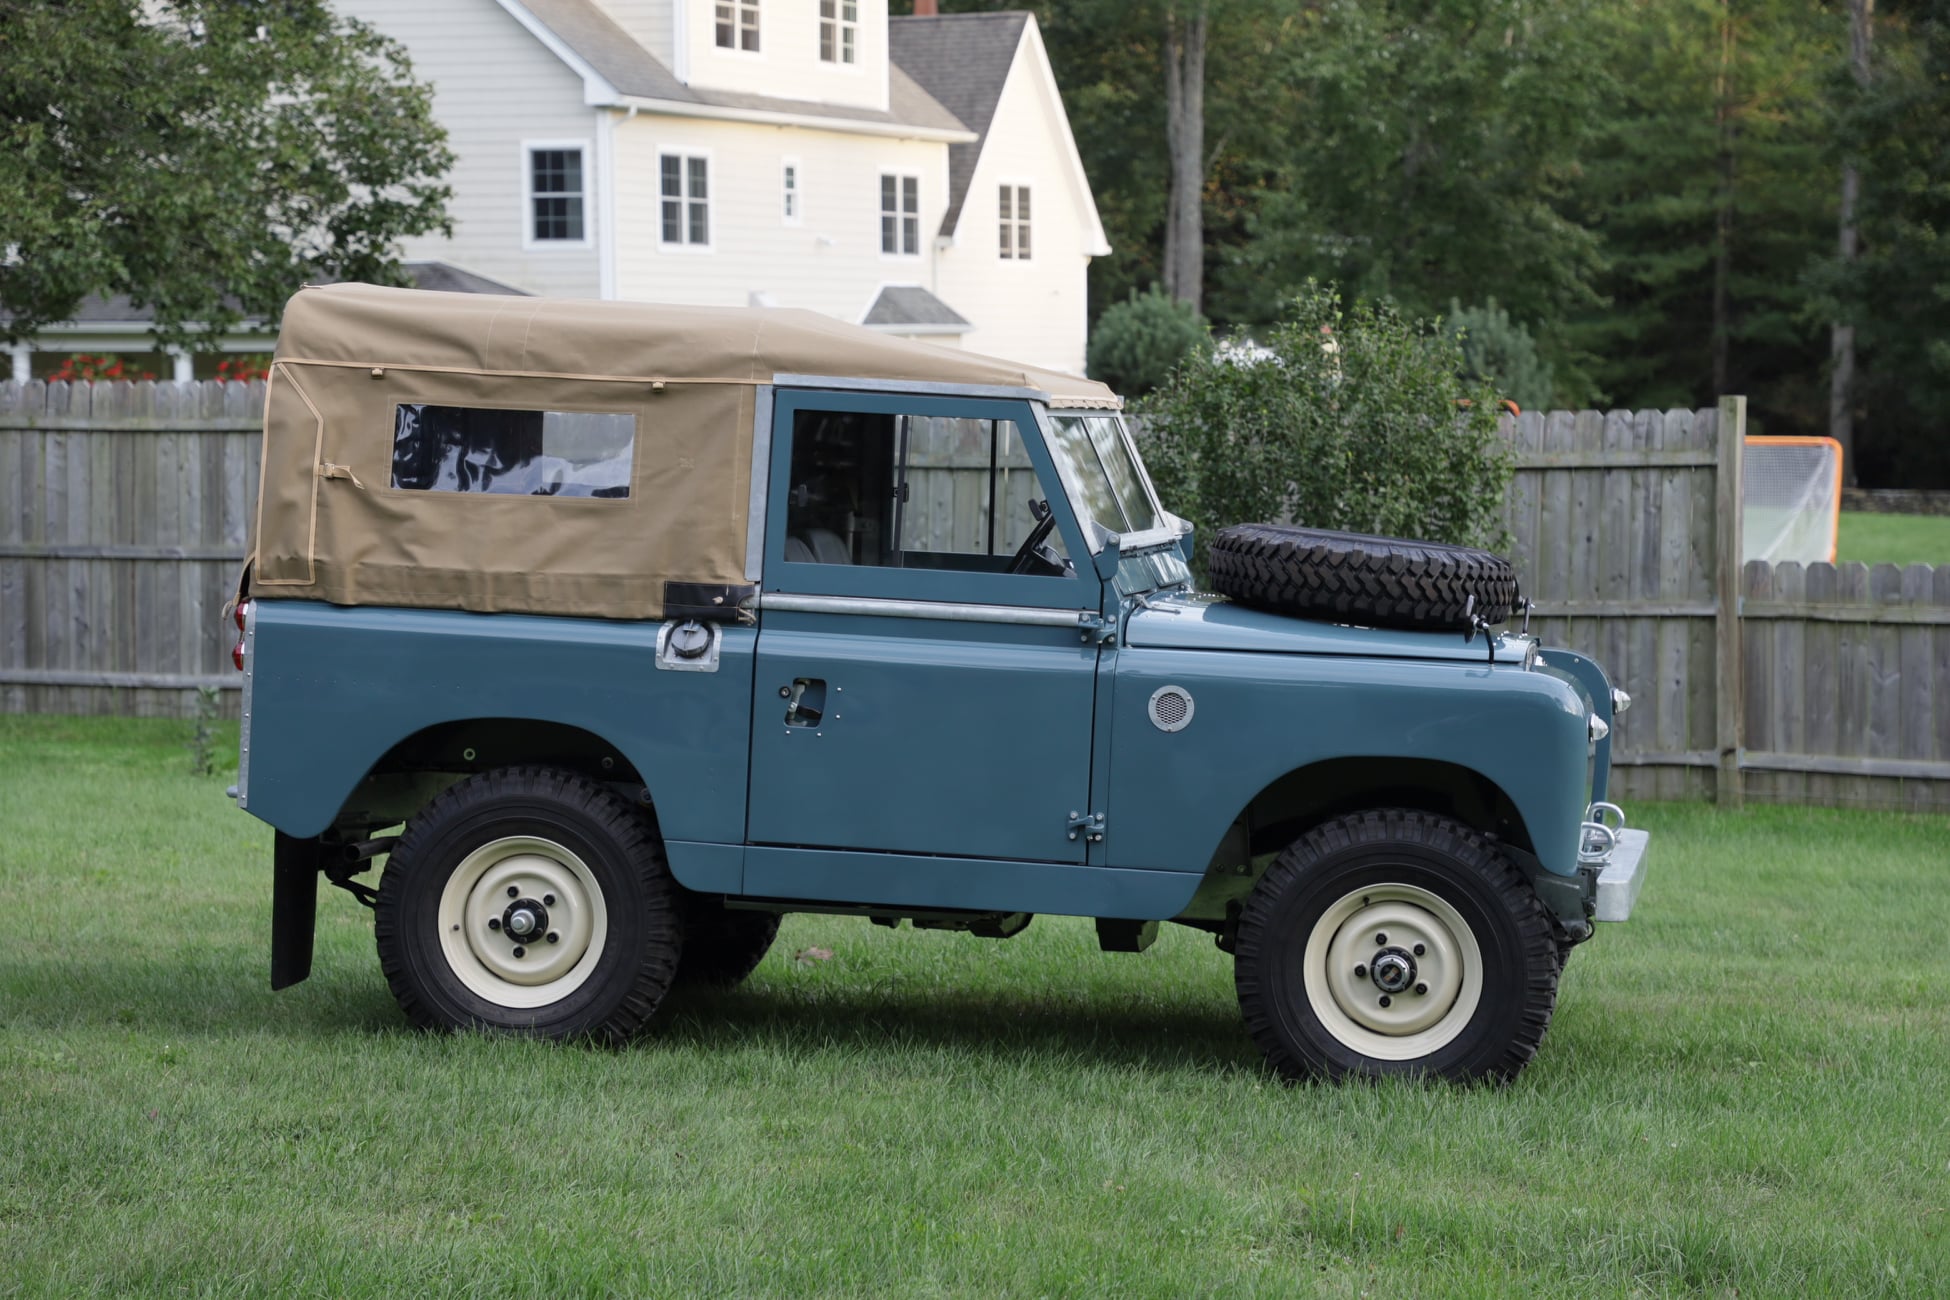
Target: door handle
x=805, y=701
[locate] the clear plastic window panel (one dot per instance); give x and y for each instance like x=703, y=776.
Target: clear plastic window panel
x=513, y=453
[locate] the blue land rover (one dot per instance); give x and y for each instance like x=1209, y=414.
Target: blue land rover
x=619, y=631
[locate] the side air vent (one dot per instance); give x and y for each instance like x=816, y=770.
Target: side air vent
x=1171, y=708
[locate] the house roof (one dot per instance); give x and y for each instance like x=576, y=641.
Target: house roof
x=119, y=309
x=963, y=60
x=634, y=73
x=910, y=307
x=447, y=276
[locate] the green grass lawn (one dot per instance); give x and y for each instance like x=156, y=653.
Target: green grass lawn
x=1893, y=539
x=1746, y=1092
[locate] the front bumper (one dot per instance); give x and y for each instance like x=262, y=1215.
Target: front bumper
x=1623, y=876
x=1613, y=858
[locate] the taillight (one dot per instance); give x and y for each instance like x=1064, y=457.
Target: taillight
x=237, y=651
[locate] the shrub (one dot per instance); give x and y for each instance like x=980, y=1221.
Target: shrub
x=1499, y=351
x=1339, y=417
x=1140, y=341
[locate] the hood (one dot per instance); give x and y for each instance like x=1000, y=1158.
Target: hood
x=1196, y=621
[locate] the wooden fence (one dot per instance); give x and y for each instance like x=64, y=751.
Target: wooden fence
x=1821, y=684
x=124, y=511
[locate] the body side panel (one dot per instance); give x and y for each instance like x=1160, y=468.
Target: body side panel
x=335, y=688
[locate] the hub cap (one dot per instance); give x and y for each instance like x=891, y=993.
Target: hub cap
x=526, y=896
x=1393, y=972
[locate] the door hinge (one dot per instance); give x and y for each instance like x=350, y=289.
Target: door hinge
x=1088, y=825
x=1096, y=628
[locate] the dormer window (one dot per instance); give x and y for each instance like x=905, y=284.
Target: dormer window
x=738, y=25
x=839, y=30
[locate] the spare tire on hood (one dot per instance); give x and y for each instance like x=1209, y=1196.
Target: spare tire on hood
x=1355, y=578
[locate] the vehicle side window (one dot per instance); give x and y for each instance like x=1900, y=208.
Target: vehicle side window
x=911, y=491
x=512, y=453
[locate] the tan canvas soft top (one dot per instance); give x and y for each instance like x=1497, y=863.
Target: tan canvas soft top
x=352, y=359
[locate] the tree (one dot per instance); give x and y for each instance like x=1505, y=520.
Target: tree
x=1428, y=152
x=204, y=158
x=1841, y=352
x=1349, y=417
x=1185, y=25
x=1137, y=343
x=1500, y=352
x=1896, y=292
x=1705, y=186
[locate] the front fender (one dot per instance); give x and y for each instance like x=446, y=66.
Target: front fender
x=1258, y=717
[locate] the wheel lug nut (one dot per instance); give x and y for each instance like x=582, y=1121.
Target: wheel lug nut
x=1360, y=972
x=1421, y=990
x=494, y=923
x=520, y=951
x=553, y=937
x=514, y=891
x=1385, y=999
x=1419, y=950
x=548, y=900
x=1380, y=940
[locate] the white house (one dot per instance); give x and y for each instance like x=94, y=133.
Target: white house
x=914, y=174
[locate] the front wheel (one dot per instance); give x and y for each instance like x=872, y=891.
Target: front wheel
x=1395, y=942
x=533, y=900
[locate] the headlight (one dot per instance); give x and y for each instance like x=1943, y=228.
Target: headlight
x=1599, y=728
x=1620, y=701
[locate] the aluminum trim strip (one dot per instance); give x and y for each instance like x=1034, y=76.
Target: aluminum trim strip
x=761, y=484
x=919, y=387
x=946, y=611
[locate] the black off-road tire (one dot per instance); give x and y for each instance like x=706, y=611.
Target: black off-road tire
x=1354, y=578
x=723, y=945
x=541, y=832
x=1380, y=884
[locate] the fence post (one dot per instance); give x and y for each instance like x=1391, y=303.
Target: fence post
x=1730, y=709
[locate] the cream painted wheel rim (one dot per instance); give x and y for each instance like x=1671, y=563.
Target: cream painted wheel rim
x=510, y=874
x=1410, y=930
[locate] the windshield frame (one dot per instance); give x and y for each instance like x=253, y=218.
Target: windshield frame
x=1169, y=526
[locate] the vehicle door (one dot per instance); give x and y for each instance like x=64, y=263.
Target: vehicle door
x=925, y=679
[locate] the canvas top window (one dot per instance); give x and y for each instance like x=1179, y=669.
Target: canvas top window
x=503, y=452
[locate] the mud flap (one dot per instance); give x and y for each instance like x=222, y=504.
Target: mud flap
x=294, y=908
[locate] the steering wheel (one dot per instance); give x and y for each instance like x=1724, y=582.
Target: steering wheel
x=1032, y=545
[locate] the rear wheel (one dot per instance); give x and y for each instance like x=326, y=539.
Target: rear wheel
x=723, y=945
x=529, y=899
x=1395, y=942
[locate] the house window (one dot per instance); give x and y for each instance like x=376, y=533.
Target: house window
x=1015, y=222
x=686, y=199
x=555, y=196
x=738, y=25
x=900, y=215
x=839, y=30
x=792, y=192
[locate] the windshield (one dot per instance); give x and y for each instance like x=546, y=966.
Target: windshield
x=1093, y=455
